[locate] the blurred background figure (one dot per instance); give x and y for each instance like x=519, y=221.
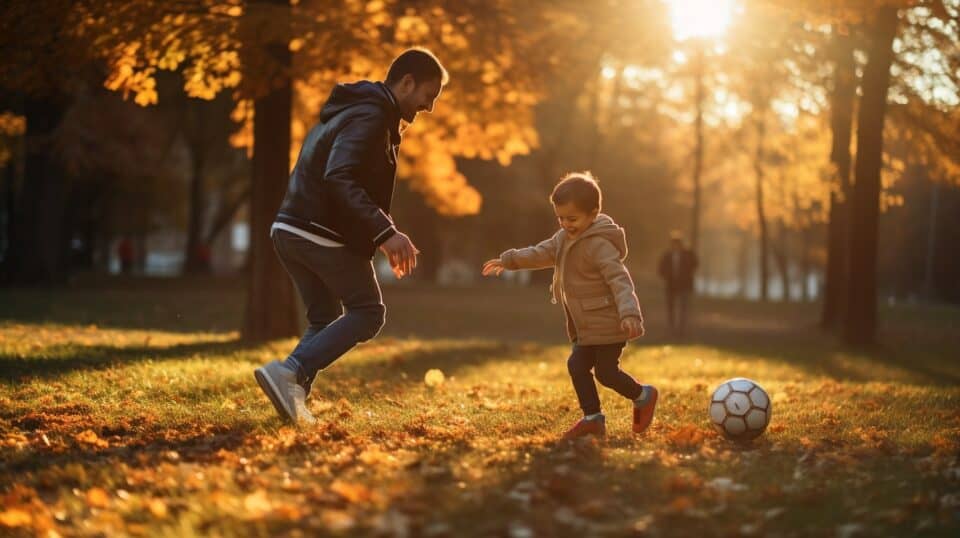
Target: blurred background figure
x=125, y=253
x=677, y=266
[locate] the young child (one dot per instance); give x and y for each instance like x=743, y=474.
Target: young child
x=598, y=298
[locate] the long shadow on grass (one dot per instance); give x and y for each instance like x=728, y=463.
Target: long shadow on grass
x=819, y=353
x=135, y=453
x=178, y=305
x=579, y=490
x=557, y=489
x=63, y=359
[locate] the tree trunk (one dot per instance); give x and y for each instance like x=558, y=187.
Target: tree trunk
x=782, y=256
x=841, y=122
x=205, y=125
x=225, y=214
x=194, y=262
x=698, y=150
x=802, y=223
x=10, y=187
x=928, y=286
x=860, y=322
x=593, y=122
x=761, y=215
x=271, y=303
x=744, y=264
x=805, y=265
x=35, y=254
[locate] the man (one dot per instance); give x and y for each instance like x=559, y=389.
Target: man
x=336, y=213
x=677, y=266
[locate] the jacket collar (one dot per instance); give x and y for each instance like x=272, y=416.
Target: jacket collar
x=395, y=119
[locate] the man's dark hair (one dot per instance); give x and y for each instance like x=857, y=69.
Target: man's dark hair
x=581, y=188
x=419, y=62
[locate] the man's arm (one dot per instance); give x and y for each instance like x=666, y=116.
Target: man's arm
x=345, y=162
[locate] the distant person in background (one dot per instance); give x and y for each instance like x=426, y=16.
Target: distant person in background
x=677, y=266
x=126, y=255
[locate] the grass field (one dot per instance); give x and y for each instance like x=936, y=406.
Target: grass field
x=131, y=410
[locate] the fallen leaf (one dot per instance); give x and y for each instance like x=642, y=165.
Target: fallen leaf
x=353, y=493
x=686, y=437
x=287, y=436
x=157, y=507
x=725, y=485
x=680, y=504
x=774, y=513
x=519, y=530
x=849, y=530
x=392, y=523
x=89, y=437
x=337, y=520
x=682, y=484
x=288, y=512
x=257, y=504
x=642, y=524
x=97, y=498
x=490, y=404
x=15, y=517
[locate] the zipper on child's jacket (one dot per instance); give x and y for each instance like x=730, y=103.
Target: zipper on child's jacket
x=553, y=293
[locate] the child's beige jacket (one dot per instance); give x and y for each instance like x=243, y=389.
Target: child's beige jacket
x=589, y=279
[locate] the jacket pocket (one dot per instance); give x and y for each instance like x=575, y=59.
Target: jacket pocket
x=599, y=314
x=596, y=303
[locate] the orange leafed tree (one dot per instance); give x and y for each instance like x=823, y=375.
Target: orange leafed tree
x=277, y=55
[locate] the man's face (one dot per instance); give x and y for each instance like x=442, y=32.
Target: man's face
x=676, y=244
x=414, y=98
x=573, y=219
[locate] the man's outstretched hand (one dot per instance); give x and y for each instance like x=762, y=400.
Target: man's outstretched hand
x=401, y=253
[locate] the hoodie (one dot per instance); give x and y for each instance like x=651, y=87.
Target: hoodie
x=341, y=187
x=590, y=279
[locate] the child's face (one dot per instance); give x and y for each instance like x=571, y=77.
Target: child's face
x=573, y=219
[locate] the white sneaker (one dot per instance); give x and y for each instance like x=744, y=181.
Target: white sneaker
x=300, y=406
x=278, y=382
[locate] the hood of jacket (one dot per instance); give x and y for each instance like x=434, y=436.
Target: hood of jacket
x=345, y=96
x=605, y=227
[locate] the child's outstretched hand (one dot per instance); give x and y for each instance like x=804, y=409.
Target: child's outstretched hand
x=633, y=326
x=492, y=267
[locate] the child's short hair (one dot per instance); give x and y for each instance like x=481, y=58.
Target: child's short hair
x=581, y=188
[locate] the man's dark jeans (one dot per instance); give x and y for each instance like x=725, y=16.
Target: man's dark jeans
x=342, y=297
x=604, y=360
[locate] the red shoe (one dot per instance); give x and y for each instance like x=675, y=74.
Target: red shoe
x=584, y=426
x=643, y=416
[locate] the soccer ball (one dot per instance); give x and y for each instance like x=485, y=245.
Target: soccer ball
x=740, y=409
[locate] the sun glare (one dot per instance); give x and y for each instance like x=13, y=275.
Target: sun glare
x=699, y=18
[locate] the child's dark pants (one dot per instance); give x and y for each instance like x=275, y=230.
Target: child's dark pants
x=604, y=360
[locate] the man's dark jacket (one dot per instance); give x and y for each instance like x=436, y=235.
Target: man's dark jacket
x=681, y=279
x=342, y=184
